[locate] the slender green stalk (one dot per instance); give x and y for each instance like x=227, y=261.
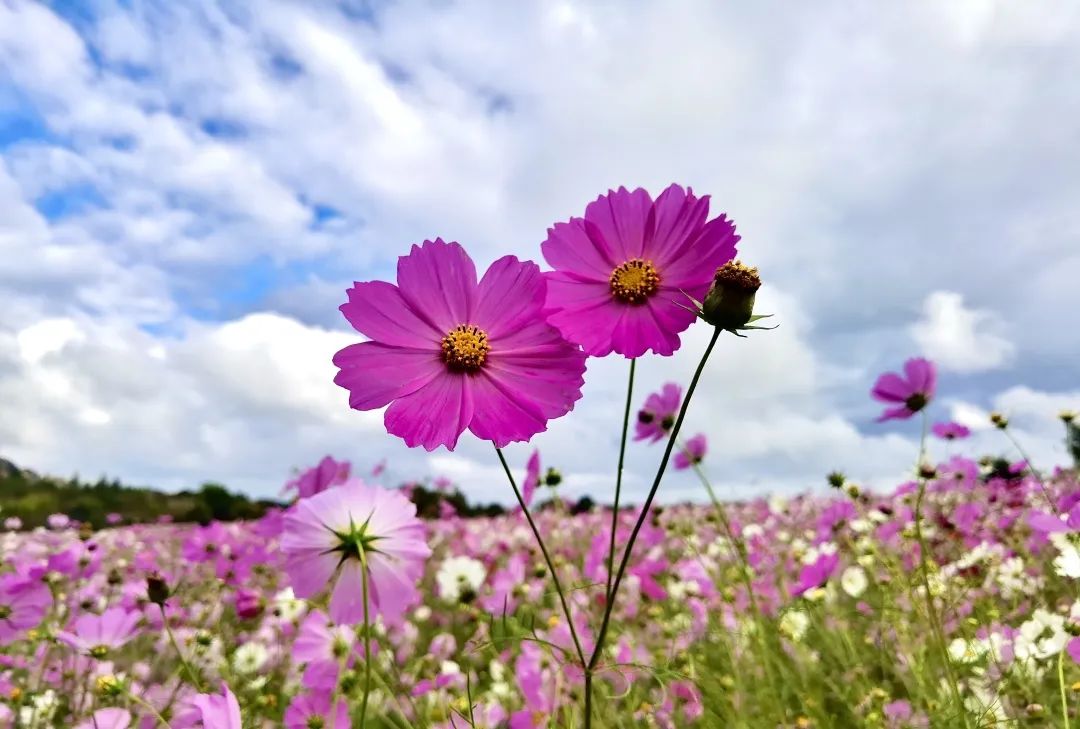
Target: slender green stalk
x=176, y=646
x=1061, y=688
x=1031, y=467
x=924, y=570
x=367, y=640
x=547, y=559
x=618, y=481
x=146, y=705
x=628, y=550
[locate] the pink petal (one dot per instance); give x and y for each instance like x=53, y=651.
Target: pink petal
x=570, y=249
x=376, y=374
x=347, y=601
x=503, y=414
x=679, y=218
x=509, y=297
x=438, y=279
x=435, y=415
x=897, y=413
x=623, y=219
x=692, y=266
x=310, y=572
x=392, y=589
x=377, y=310
x=890, y=387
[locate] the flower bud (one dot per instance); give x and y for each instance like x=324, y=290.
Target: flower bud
x=1000, y=421
x=1067, y=416
x=837, y=480
x=552, y=478
x=157, y=590
x=729, y=304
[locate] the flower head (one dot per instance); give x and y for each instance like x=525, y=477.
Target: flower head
x=319, y=478
x=729, y=304
x=459, y=579
x=950, y=431
x=657, y=417
x=97, y=635
x=692, y=453
x=623, y=272
x=217, y=711
x=910, y=392
x=532, y=478
x=449, y=353
x=23, y=604
x=330, y=538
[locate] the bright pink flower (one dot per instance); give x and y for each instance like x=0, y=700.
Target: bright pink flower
x=657, y=417
x=624, y=272
x=448, y=353
x=330, y=536
x=319, y=478
x=321, y=646
x=107, y=719
x=950, y=431
x=532, y=478
x=817, y=573
x=307, y=709
x=249, y=604
x=96, y=635
x=911, y=392
x=693, y=452
x=23, y=604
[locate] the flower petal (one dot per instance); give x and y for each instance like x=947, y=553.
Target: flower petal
x=623, y=219
x=439, y=280
x=570, y=249
x=376, y=374
x=504, y=414
x=890, y=387
x=509, y=296
x=377, y=310
x=435, y=415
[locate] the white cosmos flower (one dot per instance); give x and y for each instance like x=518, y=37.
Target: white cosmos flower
x=853, y=581
x=458, y=577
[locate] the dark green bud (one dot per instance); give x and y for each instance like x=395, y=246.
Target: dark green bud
x=730, y=301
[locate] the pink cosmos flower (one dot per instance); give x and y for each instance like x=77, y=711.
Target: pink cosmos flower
x=107, y=719
x=330, y=536
x=624, y=271
x=657, y=416
x=96, y=635
x=448, y=353
x=910, y=392
x=319, y=478
x=249, y=604
x=693, y=452
x=950, y=431
x=532, y=478
x=314, y=709
x=321, y=646
x=58, y=521
x=13, y=523
x=23, y=604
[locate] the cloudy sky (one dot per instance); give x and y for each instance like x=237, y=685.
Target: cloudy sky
x=186, y=190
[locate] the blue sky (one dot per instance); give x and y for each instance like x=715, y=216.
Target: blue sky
x=186, y=189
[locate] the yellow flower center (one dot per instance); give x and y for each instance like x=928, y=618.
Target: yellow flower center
x=465, y=348
x=634, y=281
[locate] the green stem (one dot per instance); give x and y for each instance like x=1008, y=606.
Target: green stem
x=628, y=550
x=146, y=705
x=1031, y=467
x=180, y=654
x=924, y=569
x=367, y=640
x=1061, y=688
x=618, y=482
x=547, y=558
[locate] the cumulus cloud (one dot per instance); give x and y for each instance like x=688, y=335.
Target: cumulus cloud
x=958, y=338
x=201, y=183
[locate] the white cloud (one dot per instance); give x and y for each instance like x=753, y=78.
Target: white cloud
x=851, y=148
x=961, y=339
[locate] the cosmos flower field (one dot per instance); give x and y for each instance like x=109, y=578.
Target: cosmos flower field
x=950, y=601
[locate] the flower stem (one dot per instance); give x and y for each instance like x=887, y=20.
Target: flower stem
x=176, y=646
x=924, y=570
x=547, y=559
x=618, y=483
x=1061, y=687
x=149, y=707
x=367, y=639
x=628, y=550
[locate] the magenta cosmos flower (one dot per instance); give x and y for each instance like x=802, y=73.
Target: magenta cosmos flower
x=657, y=417
x=449, y=353
x=23, y=604
x=330, y=537
x=532, y=478
x=624, y=272
x=96, y=635
x=692, y=453
x=951, y=431
x=319, y=478
x=910, y=392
